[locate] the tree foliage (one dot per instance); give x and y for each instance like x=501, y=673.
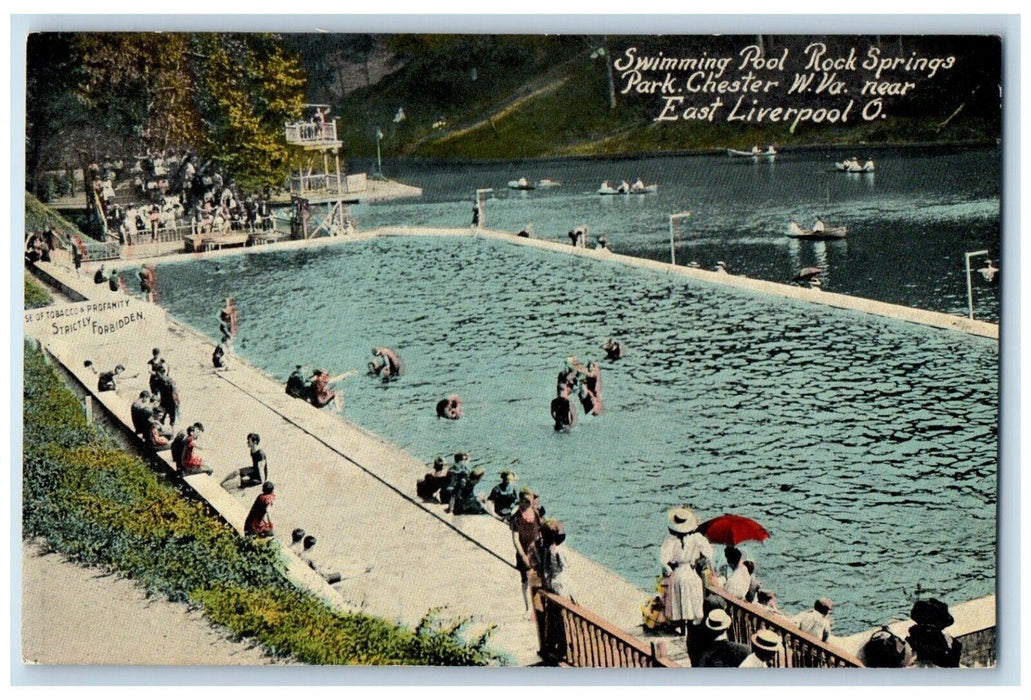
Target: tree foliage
x=225, y=96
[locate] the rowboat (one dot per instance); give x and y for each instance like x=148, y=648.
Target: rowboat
x=754, y=153
x=606, y=188
x=548, y=183
x=853, y=166
x=827, y=234
x=643, y=189
x=521, y=184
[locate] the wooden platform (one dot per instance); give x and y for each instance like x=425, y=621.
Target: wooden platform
x=213, y=241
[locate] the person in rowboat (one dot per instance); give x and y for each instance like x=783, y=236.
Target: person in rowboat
x=818, y=225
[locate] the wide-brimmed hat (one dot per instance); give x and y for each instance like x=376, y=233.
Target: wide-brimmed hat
x=826, y=603
x=767, y=640
x=931, y=612
x=477, y=472
x=718, y=620
x=506, y=473
x=682, y=520
x=438, y=462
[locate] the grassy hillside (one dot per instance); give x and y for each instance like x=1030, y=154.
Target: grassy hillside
x=556, y=104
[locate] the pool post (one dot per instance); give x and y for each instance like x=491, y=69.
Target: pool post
x=970, y=287
x=672, y=247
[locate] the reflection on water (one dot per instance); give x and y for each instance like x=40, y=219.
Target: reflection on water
x=866, y=447
x=909, y=224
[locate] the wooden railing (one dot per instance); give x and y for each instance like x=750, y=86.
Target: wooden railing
x=801, y=650
x=311, y=133
x=573, y=636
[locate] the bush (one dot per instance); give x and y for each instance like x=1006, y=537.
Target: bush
x=36, y=294
x=99, y=505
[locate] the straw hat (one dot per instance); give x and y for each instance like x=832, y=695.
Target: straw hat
x=682, y=520
x=767, y=640
x=718, y=620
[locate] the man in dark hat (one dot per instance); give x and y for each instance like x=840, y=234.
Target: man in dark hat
x=927, y=636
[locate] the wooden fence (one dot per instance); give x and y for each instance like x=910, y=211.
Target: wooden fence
x=573, y=636
x=801, y=650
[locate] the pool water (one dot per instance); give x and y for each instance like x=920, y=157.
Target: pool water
x=866, y=446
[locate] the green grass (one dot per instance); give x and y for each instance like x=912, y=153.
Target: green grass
x=36, y=295
x=101, y=506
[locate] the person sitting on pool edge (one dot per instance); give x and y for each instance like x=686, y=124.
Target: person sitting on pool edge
x=429, y=485
x=463, y=498
x=106, y=381
x=296, y=384
x=504, y=496
x=319, y=393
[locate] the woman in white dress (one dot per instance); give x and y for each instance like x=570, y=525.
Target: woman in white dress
x=681, y=553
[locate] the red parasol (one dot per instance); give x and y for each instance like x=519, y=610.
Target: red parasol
x=732, y=530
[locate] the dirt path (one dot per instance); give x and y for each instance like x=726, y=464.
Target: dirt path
x=68, y=612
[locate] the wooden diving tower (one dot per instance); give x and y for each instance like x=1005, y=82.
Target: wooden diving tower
x=319, y=189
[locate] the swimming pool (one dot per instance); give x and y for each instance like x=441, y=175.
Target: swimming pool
x=866, y=446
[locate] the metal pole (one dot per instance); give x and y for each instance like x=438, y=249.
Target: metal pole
x=970, y=290
x=970, y=287
x=672, y=248
x=379, y=163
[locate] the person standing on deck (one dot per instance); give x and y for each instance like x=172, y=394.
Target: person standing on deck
x=720, y=652
x=169, y=396
x=554, y=561
x=739, y=579
x=766, y=647
x=504, y=496
x=526, y=537
x=816, y=621
x=684, y=554
x=146, y=275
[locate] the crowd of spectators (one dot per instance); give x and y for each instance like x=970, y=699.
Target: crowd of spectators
x=172, y=189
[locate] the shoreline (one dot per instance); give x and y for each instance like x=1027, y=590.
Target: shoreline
x=714, y=151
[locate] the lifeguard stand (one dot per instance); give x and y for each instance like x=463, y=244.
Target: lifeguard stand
x=318, y=191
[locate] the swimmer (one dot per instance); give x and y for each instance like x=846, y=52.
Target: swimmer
x=563, y=411
x=590, y=390
x=613, y=349
x=450, y=408
x=319, y=393
x=389, y=365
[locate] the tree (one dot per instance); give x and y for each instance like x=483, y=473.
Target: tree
x=249, y=87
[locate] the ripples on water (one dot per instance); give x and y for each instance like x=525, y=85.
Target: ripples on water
x=866, y=446
x=909, y=223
